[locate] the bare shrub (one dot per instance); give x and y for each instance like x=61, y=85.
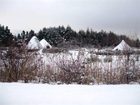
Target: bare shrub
x=47, y=75
x=93, y=58
x=54, y=50
x=108, y=59
x=72, y=70
x=136, y=57
x=19, y=64
x=93, y=71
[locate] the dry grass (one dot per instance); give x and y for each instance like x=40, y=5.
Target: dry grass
x=29, y=67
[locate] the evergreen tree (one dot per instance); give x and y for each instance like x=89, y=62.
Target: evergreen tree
x=59, y=36
x=6, y=37
x=137, y=43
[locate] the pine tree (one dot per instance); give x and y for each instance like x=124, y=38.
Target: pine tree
x=6, y=37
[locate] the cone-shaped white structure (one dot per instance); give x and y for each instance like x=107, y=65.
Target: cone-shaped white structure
x=34, y=43
x=45, y=44
x=123, y=46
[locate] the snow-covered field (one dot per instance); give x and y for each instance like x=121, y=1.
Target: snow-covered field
x=84, y=54
x=44, y=94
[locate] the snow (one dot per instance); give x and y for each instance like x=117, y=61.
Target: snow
x=44, y=44
x=82, y=55
x=34, y=43
x=123, y=46
x=44, y=94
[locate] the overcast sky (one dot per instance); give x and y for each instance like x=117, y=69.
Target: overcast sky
x=119, y=16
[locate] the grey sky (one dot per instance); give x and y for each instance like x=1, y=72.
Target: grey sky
x=120, y=16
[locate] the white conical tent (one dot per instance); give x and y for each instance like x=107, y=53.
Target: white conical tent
x=123, y=46
x=34, y=43
x=45, y=44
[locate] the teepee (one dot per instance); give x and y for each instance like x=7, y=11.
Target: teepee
x=123, y=46
x=34, y=43
x=45, y=44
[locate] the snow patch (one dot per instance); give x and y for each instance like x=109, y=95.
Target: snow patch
x=45, y=44
x=34, y=43
x=123, y=46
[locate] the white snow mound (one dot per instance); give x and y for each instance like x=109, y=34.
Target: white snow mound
x=123, y=46
x=45, y=44
x=34, y=43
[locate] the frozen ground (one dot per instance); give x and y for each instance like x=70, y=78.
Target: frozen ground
x=44, y=94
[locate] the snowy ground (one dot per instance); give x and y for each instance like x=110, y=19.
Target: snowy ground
x=83, y=54
x=44, y=94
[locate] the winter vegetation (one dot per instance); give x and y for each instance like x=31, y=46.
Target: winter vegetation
x=45, y=61
x=63, y=56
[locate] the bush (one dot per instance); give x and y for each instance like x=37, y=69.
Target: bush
x=108, y=59
x=19, y=64
x=92, y=59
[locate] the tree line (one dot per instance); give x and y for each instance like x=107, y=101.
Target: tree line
x=66, y=37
